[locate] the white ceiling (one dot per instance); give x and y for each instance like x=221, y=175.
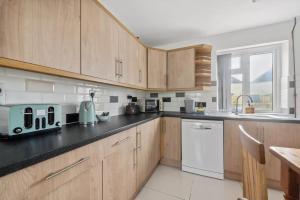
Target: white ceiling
x=159, y=22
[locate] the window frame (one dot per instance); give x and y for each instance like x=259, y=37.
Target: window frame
x=244, y=69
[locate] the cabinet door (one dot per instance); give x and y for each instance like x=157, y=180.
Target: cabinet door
x=156, y=142
x=181, y=69
x=278, y=134
x=232, y=145
x=144, y=152
x=44, y=32
x=171, y=141
x=74, y=175
x=99, y=42
x=157, y=69
x=119, y=166
x=142, y=66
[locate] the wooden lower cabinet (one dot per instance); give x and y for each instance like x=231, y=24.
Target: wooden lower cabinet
x=171, y=141
x=119, y=166
x=147, y=150
x=74, y=175
x=269, y=133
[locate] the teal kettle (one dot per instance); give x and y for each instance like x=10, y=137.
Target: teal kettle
x=87, y=114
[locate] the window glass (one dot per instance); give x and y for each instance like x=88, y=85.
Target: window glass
x=261, y=81
x=236, y=62
x=236, y=89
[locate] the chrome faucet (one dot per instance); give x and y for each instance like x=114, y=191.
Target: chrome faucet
x=237, y=102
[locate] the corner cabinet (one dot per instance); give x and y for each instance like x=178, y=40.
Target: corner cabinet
x=157, y=69
x=189, y=68
x=44, y=32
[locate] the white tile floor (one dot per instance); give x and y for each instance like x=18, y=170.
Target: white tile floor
x=172, y=184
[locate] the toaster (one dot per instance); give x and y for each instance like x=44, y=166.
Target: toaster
x=23, y=119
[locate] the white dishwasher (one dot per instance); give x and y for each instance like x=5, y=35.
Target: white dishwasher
x=202, y=147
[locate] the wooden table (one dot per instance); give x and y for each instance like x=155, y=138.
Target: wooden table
x=290, y=171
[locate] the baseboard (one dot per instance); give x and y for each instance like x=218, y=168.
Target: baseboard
x=171, y=163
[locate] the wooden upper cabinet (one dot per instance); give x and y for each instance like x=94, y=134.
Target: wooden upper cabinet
x=44, y=32
x=181, y=69
x=142, y=66
x=99, y=42
x=157, y=69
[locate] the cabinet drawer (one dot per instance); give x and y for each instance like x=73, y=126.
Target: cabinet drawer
x=37, y=181
x=114, y=143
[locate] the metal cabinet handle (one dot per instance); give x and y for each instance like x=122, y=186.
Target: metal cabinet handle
x=139, y=135
x=140, y=76
x=116, y=68
x=54, y=174
x=121, y=68
x=120, y=141
x=134, y=157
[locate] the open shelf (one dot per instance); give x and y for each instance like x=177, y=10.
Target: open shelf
x=203, y=65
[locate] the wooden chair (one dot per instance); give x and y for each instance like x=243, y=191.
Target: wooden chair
x=253, y=157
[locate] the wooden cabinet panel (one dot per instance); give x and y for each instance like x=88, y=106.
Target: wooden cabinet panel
x=119, y=166
x=145, y=141
x=157, y=69
x=232, y=145
x=99, y=42
x=279, y=134
x=156, y=143
x=181, y=69
x=74, y=175
x=171, y=141
x=45, y=32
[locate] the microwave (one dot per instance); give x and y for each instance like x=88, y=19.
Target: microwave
x=151, y=105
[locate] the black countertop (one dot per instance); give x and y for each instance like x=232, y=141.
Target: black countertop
x=16, y=154
x=20, y=153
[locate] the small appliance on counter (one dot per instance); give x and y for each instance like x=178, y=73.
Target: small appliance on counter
x=152, y=105
x=25, y=119
x=132, y=109
x=87, y=114
x=189, y=105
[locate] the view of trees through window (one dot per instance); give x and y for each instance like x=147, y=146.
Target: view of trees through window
x=252, y=74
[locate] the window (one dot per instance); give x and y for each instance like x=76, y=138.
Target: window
x=254, y=72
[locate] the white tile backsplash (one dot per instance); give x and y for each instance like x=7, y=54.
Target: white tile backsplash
x=64, y=91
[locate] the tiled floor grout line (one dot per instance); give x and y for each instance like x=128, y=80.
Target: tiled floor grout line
x=192, y=188
x=171, y=195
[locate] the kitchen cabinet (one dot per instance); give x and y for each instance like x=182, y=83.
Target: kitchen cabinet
x=282, y=135
x=99, y=42
x=157, y=69
x=171, y=141
x=181, y=69
x=74, y=175
x=271, y=134
x=45, y=32
x=108, y=51
x=232, y=145
x=119, y=166
x=142, y=66
x=147, y=150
